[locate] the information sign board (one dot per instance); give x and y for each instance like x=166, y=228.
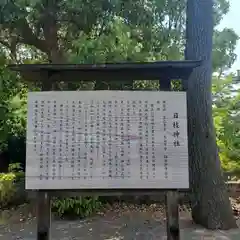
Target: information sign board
x=107, y=140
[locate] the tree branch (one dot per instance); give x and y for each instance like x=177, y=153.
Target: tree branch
x=50, y=30
x=4, y=43
x=28, y=37
x=12, y=47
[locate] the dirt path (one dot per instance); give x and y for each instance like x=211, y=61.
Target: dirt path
x=118, y=223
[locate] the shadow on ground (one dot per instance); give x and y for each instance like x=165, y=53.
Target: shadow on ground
x=116, y=223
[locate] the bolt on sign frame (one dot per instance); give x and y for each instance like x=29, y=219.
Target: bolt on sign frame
x=50, y=74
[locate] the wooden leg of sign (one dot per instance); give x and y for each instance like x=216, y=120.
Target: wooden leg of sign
x=43, y=216
x=172, y=215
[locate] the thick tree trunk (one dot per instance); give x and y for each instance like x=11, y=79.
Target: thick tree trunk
x=210, y=202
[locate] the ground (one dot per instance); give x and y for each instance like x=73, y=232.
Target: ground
x=116, y=222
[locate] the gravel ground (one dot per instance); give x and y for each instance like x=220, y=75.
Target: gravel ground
x=117, y=222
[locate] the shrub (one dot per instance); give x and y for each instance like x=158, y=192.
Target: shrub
x=76, y=206
x=7, y=188
x=8, y=184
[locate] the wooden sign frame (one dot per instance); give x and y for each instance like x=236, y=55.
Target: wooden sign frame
x=50, y=74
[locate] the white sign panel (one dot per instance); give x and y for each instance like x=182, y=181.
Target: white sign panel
x=107, y=140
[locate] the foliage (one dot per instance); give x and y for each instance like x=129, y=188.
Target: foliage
x=76, y=206
x=70, y=207
x=154, y=29
x=223, y=52
x=15, y=168
x=7, y=188
x=116, y=45
x=8, y=184
x=226, y=113
x=12, y=104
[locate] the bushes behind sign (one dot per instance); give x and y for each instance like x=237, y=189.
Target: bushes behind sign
x=12, y=189
x=76, y=206
x=12, y=192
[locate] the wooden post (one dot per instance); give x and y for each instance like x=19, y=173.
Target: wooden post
x=172, y=215
x=43, y=216
x=43, y=198
x=171, y=197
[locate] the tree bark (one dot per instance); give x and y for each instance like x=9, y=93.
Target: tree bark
x=210, y=201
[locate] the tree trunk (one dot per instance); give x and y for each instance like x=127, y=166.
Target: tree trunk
x=210, y=201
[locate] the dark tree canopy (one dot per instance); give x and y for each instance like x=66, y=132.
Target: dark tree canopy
x=60, y=28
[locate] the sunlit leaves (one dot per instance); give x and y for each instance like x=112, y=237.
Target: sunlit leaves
x=223, y=51
x=12, y=104
x=226, y=112
x=114, y=46
x=221, y=7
